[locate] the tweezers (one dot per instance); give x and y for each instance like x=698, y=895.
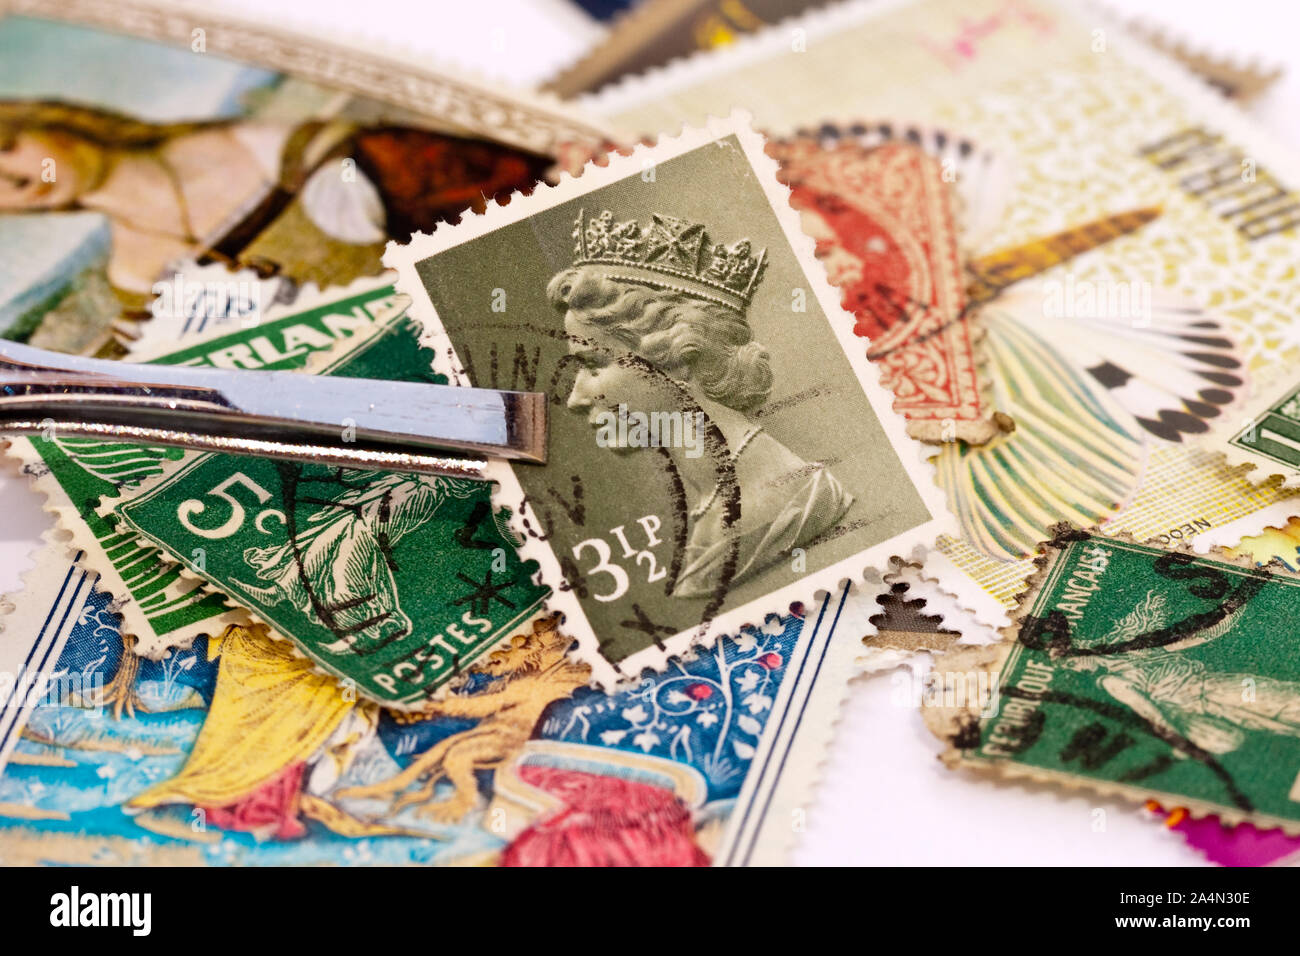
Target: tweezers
x=330, y=420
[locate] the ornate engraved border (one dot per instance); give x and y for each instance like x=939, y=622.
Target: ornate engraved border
x=396, y=76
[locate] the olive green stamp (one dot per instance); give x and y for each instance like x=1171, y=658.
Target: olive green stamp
x=720, y=447
x=1153, y=673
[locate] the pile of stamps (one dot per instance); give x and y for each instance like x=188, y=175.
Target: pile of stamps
x=939, y=335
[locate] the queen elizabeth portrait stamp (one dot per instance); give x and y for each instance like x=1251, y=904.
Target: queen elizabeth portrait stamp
x=719, y=444
x=1143, y=672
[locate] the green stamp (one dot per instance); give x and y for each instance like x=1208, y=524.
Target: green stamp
x=162, y=608
x=719, y=447
x=1156, y=673
x=394, y=581
x=1274, y=433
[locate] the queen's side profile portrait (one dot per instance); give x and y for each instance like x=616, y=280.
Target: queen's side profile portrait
x=656, y=319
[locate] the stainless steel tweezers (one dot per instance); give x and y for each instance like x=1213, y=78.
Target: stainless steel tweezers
x=348, y=422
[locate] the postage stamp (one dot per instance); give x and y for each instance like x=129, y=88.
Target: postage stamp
x=285, y=154
x=1131, y=311
x=397, y=77
x=161, y=607
x=1265, y=433
x=885, y=228
x=1278, y=542
x=648, y=34
x=720, y=444
x=236, y=751
x=341, y=562
x=1242, y=844
x=32, y=637
x=978, y=178
x=1143, y=672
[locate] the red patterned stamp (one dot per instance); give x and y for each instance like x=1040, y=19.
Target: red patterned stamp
x=885, y=229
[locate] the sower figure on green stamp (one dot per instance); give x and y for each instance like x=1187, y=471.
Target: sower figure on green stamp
x=339, y=565
x=1162, y=675
x=1180, y=695
x=341, y=561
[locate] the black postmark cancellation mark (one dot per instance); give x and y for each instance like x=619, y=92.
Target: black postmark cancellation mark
x=720, y=446
x=1143, y=671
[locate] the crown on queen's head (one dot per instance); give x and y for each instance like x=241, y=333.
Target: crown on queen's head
x=670, y=253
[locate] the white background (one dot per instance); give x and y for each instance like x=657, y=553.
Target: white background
x=884, y=798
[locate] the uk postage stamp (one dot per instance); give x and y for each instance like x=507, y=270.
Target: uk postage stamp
x=237, y=751
x=1143, y=672
x=1265, y=434
x=1129, y=313
x=885, y=227
x=161, y=607
x=392, y=581
x=719, y=445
